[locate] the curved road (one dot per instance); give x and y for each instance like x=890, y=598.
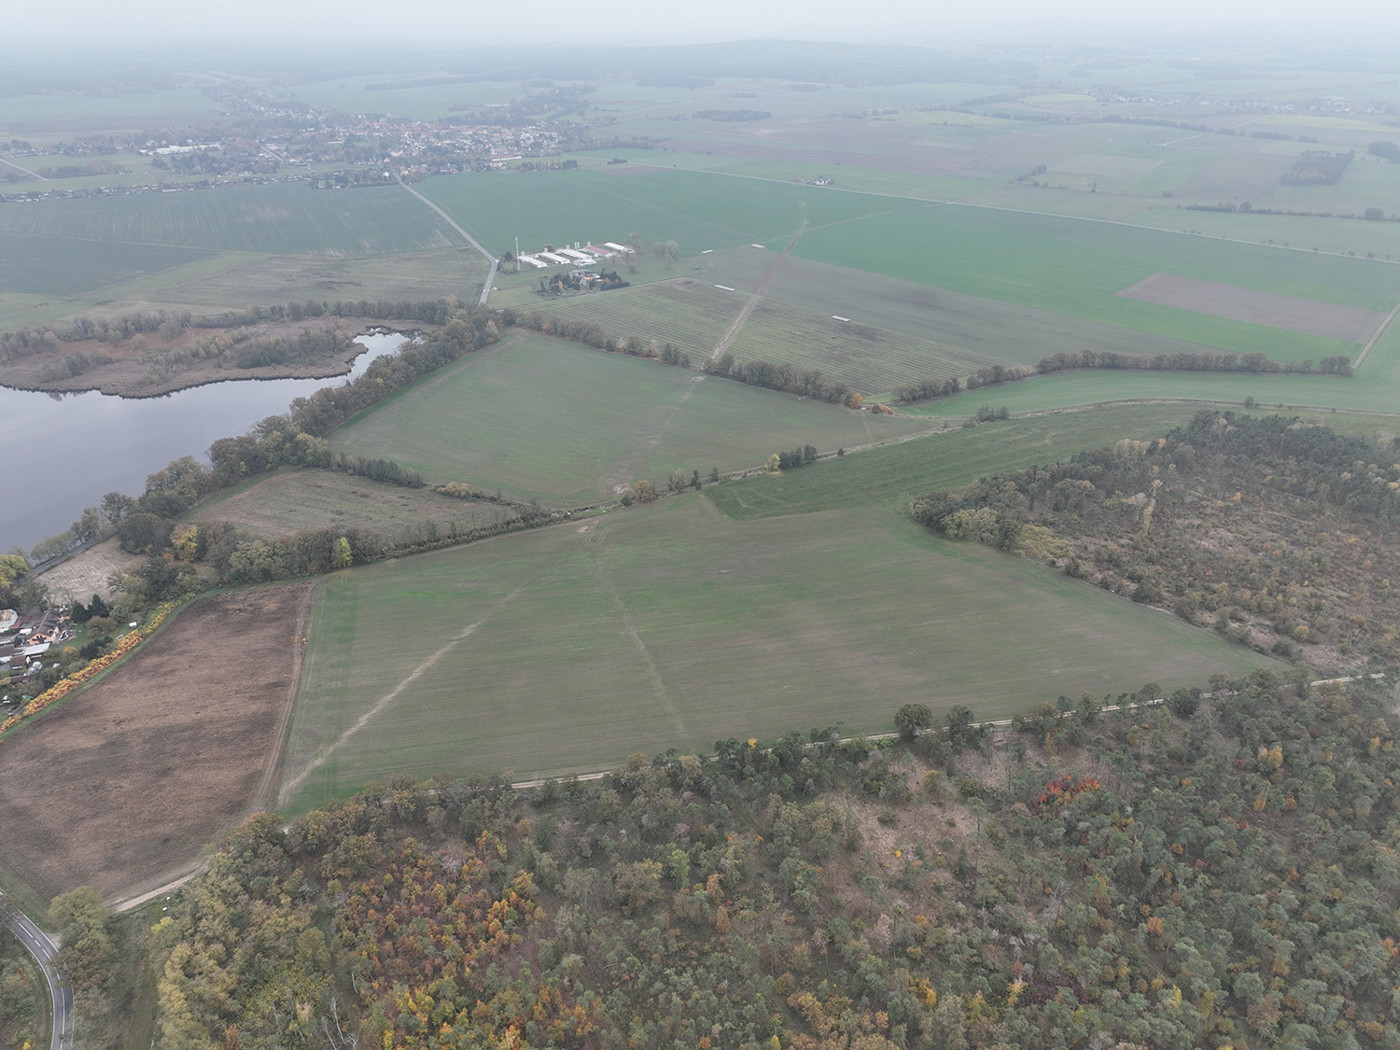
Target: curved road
x=45, y=953
x=490, y=277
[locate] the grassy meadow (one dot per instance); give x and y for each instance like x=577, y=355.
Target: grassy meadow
x=282, y=219
x=294, y=499
x=541, y=418
x=893, y=475
x=673, y=626
x=66, y=267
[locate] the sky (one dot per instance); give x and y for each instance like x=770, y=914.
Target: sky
x=639, y=21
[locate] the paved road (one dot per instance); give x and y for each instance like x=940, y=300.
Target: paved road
x=490, y=277
x=44, y=952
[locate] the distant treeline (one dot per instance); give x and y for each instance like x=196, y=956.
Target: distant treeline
x=590, y=334
x=732, y=114
x=1183, y=362
x=1317, y=167
x=787, y=378
x=930, y=389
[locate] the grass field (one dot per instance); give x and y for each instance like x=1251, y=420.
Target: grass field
x=671, y=626
x=542, y=418
x=562, y=207
x=1361, y=393
x=282, y=219
x=291, y=500
x=57, y=266
x=893, y=475
x=688, y=312
x=1077, y=267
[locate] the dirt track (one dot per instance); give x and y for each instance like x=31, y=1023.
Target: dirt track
x=126, y=782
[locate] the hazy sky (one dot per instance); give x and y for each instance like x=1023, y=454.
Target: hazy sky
x=628, y=21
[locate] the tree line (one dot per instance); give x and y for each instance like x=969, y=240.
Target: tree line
x=1130, y=518
x=828, y=894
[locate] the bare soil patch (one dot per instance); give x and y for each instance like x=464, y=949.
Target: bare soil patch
x=88, y=573
x=129, y=779
x=1296, y=314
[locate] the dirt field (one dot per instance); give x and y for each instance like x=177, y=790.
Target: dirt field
x=122, y=785
x=88, y=573
x=1309, y=316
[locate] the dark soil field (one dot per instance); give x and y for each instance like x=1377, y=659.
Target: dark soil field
x=1329, y=320
x=123, y=784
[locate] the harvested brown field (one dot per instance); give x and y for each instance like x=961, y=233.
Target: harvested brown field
x=1296, y=314
x=89, y=572
x=123, y=784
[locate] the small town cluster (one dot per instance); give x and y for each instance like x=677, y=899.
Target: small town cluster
x=25, y=640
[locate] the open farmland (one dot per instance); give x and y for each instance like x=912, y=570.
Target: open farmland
x=1077, y=267
x=292, y=500
x=670, y=626
x=893, y=475
x=61, y=266
x=282, y=219
x=690, y=313
x=1089, y=387
x=122, y=784
x=865, y=355
x=563, y=207
x=546, y=419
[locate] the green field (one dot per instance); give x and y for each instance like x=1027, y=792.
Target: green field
x=672, y=626
x=1370, y=391
x=688, y=312
x=542, y=418
x=283, y=219
x=59, y=266
x=291, y=500
x=893, y=475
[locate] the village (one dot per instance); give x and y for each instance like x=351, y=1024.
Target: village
x=24, y=641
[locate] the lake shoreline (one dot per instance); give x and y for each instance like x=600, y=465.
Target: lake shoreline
x=127, y=378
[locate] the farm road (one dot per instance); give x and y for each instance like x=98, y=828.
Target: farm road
x=490, y=277
x=760, y=290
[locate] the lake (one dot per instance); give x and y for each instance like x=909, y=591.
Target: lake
x=64, y=452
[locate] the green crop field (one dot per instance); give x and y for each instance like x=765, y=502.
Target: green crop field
x=1336, y=236
x=866, y=356
x=671, y=626
x=291, y=500
x=892, y=475
x=1371, y=391
x=562, y=207
x=59, y=266
x=284, y=219
x=688, y=313
x=1076, y=266
x=542, y=418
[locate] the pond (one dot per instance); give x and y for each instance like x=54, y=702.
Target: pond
x=64, y=452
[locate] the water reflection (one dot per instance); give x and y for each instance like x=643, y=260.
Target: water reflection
x=62, y=452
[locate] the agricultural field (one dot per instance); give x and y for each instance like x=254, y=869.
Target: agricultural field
x=540, y=418
x=123, y=782
x=54, y=266
x=560, y=207
x=869, y=357
x=671, y=626
x=292, y=500
x=282, y=219
x=689, y=313
x=893, y=475
x=1089, y=387
x=50, y=118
